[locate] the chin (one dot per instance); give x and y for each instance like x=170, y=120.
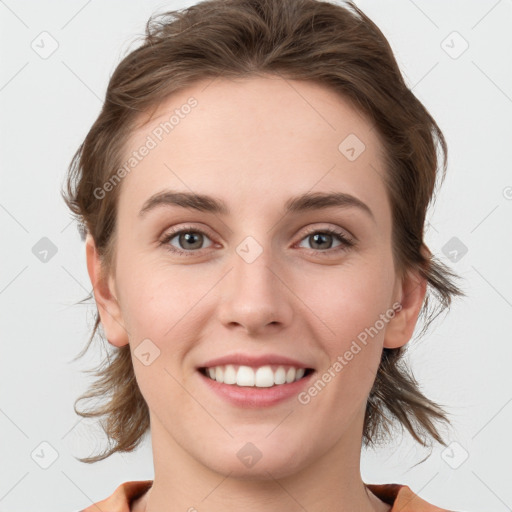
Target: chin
x=257, y=461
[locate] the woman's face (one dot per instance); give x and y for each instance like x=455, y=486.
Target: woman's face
x=255, y=279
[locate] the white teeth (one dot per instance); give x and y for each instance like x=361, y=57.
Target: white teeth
x=244, y=377
x=230, y=374
x=280, y=376
x=262, y=377
x=290, y=375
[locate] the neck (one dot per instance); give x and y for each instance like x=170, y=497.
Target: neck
x=331, y=482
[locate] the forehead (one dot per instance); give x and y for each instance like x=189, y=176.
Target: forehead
x=262, y=137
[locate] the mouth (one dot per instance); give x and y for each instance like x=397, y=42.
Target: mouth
x=266, y=376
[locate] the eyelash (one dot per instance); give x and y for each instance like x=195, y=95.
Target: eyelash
x=346, y=243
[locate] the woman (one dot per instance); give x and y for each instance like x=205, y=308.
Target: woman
x=254, y=195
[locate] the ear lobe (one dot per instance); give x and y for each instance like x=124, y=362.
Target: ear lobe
x=400, y=328
x=106, y=301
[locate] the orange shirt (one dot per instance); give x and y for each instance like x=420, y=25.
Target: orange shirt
x=400, y=496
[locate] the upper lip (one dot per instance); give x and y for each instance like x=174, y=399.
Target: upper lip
x=254, y=360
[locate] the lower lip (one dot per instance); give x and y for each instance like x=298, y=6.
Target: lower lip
x=248, y=396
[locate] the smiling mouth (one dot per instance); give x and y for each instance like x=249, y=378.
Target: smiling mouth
x=260, y=377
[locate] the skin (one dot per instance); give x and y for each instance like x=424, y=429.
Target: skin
x=254, y=143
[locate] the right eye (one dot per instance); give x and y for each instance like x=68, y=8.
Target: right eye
x=189, y=239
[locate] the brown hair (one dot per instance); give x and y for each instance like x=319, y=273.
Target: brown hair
x=319, y=41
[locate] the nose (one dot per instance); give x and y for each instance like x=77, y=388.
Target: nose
x=254, y=295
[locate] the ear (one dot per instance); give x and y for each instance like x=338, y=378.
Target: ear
x=410, y=292
x=104, y=295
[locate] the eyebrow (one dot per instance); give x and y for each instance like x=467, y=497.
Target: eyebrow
x=305, y=202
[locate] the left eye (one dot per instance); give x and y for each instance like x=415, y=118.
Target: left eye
x=319, y=237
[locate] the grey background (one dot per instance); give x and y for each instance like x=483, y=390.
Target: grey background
x=47, y=106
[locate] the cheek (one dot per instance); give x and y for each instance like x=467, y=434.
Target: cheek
x=156, y=297
x=164, y=311
x=348, y=303
x=159, y=308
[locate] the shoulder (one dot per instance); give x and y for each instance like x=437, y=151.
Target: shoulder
x=402, y=498
x=121, y=499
